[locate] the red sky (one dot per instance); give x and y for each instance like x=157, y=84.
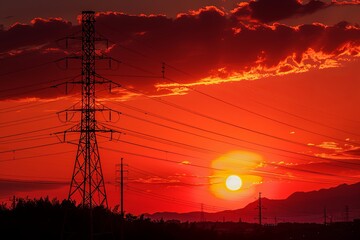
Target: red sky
x=267, y=95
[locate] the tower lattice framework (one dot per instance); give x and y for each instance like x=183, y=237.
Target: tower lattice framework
x=87, y=181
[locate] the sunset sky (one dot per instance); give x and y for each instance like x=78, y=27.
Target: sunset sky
x=266, y=90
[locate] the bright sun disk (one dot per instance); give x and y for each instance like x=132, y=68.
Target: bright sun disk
x=233, y=182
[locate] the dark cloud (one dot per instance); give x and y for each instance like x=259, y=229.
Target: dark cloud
x=69, y=8
x=274, y=10
x=11, y=186
x=40, y=31
x=207, y=42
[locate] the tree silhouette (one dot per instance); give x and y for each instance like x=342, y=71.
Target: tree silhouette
x=49, y=219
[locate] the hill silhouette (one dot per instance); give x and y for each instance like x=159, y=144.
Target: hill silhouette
x=298, y=207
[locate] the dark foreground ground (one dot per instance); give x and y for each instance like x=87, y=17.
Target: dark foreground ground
x=45, y=219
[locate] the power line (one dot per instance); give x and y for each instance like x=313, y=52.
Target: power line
x=27, y=68
x=23, y=93
x=260, y=115
x=131, y=76
x=33, y=182
x=15, y=108
x=39, y=83
x=19, y=121
x=26, y=120
x=32, y=147
x=26, y=139
x=153, y=148
x=303, y=106
x=143, y=135
x=234, y=138
x=216, y=119
x=35, y=156
x=142, y=171
x=187, y=125
x=152, y=174
x=256, y=171
x=307, y=119
x=280, y=166
x=32, y=51
x=27, y=177
x=159, y=139
x=33, y=131
x=159, y=159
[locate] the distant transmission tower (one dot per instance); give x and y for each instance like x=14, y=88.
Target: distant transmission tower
x=87, y=181
x=347, y=219
x=121, y=182
x=260, y=207
x=202, y=214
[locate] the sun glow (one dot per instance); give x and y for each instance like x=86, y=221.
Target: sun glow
x=233, y=182
x=234, y=176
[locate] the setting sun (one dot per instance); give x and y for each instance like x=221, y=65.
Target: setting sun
x=233, y=182
x=235, y=176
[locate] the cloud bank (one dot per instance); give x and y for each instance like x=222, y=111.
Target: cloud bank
x=212, y=46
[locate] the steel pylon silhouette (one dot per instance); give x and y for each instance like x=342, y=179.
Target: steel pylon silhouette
x=87, y=181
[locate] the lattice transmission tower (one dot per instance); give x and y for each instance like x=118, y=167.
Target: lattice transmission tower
x=87, y=181
x=260, y=208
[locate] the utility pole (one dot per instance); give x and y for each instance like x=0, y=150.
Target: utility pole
x=260, y=209
x=202, y=217
x=325, y=216
x=121, y=183
x=122, y=188
x=347, y=219
x=120, y=180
